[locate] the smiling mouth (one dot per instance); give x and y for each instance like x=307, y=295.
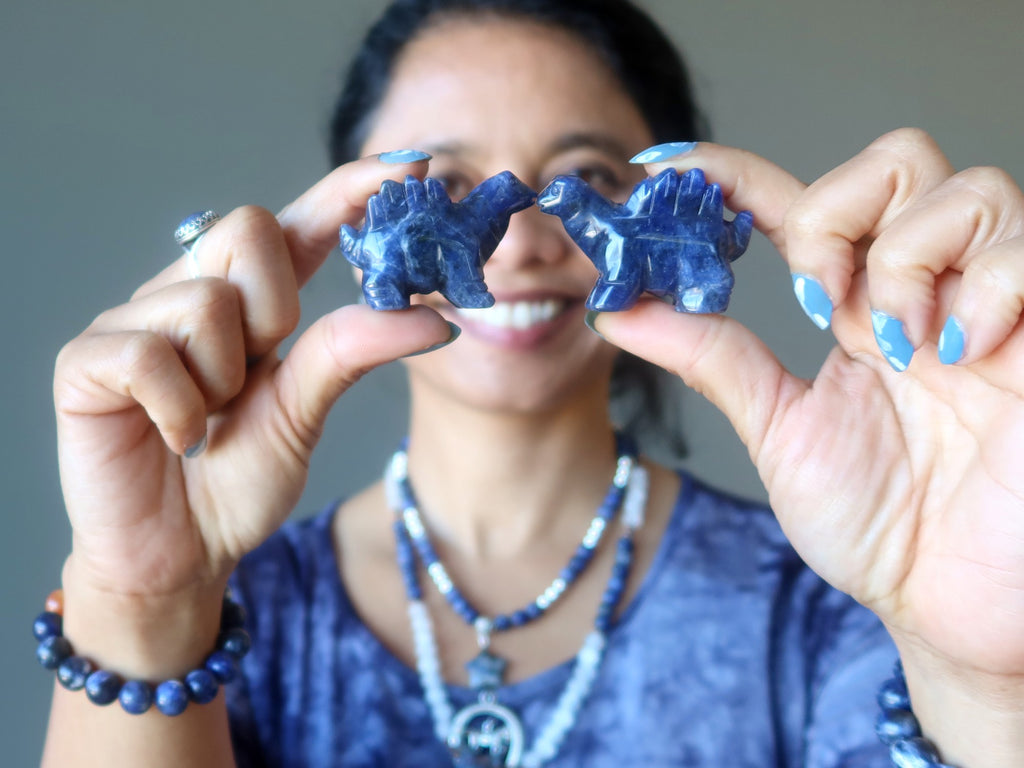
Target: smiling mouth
x=516, y=315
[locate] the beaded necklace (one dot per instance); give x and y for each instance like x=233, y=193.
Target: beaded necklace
x=487, y=733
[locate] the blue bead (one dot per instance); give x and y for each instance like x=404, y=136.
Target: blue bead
x=895, y=725
x=171, y=697
x=669, y=239
x=232, y=614
x=136, y=697
x=914, y=753
x=235, y=641
x=222, y=665
x=46, y=625
x=73, y=671
x=894, y=695
x=518, y=618
x=501, y=623
x=102, y=687
x=202, y=686
x=416, y=240
x=52, y=651
x=532, y=611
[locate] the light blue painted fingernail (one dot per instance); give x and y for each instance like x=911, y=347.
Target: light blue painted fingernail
x=455, y=333
x=813, y=300
x=951, y=342
x=589, y=319
x=892, y=340
x=196, y=450
x=400, y=156
x=663, y=152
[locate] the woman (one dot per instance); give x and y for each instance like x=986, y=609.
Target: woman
x=185, y=441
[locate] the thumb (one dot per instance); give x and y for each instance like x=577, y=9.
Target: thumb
x=339, y=348
x=714, y=355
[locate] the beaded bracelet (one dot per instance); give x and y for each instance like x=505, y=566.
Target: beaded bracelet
x=171, y=697
x=898, y=728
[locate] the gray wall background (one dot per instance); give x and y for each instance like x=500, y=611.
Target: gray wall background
x=119, y=118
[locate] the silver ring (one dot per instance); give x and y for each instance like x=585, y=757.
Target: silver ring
x=190, y=232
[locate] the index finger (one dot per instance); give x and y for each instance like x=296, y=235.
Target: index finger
x=311, y=222
x=748, y=182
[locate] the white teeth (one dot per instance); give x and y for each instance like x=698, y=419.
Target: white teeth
x=519, y=315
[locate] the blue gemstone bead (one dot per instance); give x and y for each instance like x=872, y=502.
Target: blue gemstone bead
x=202, y=686
x=136, y=697
x=46, y=625
x=102, y=687
x=222, y=665
x=235, y=641
x=914, y=753
x=171, y=697
x=896, y=724
x=518, y=618
x=502, y=623
x=73, y=671
x=532, y=611
x=894, y=695
x=232, y=615
x=52, y=651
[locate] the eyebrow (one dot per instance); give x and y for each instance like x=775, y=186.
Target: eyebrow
x=564, y=143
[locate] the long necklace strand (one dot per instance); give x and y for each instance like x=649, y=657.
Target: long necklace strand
x=450, y=727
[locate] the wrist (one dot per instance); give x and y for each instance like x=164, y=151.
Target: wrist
x=975, y=718
x=141, y=635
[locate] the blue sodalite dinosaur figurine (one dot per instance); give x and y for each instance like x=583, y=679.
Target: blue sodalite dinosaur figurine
x=416, y=240
x=669, y=239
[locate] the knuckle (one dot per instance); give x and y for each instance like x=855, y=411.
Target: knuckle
x=144, y=354
x=906, y=141
x=802, y=221
x=251, y=225
x=214, y=301
x=987, y=181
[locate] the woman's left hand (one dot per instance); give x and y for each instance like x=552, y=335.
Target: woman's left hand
x=899, y=480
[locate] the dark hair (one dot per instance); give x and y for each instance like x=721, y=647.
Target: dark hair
x=651, y=71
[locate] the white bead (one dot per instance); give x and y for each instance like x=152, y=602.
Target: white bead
x=622, y=470
x=636, y=499
x=413, y=524
x=594, y=532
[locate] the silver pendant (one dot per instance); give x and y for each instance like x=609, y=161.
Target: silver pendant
x=486, y=733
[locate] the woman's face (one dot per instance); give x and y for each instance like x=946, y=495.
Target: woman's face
x=484, y=96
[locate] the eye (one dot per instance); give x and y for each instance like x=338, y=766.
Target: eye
x=455, y=183
x=602, y=178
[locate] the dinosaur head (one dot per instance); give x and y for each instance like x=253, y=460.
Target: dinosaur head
x=563, y=196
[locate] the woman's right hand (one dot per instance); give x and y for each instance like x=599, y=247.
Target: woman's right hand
x=188, y=360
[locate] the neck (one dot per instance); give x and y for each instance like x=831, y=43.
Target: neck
x=492, y=484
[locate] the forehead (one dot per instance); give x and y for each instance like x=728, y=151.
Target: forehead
x=495, y=79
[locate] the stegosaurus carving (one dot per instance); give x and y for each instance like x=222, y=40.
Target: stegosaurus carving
x=416, y=240
x=669, y=239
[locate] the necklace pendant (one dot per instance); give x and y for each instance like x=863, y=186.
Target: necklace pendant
x=486, y=734
x=486, y=671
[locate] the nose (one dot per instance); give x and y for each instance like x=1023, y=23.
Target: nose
x=532, y=239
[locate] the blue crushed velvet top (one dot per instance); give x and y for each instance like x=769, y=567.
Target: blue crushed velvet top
x=733, y=653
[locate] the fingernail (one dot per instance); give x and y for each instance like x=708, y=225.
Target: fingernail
x=661, y=152
x=455, y=333
x=196, y=450
x=892, y=340
x=589, y=319
x=951, y=342
x=399, y=156
x=813, y=300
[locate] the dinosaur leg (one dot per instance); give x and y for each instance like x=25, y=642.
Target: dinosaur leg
x=383, y=293
x=613, y=297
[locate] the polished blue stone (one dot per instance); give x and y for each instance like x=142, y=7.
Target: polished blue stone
x=914, y=753
x=895, y=725
x=73, y=671
x=202, y=686
x=416, y=240
x=136, y=697
x=102, y=687
x=668, y=239
x=171, y=697
x=894, y=695
x=235, y=641
x=223, y=666
x=52, y=651
x=46, y=625
x=232, y=614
